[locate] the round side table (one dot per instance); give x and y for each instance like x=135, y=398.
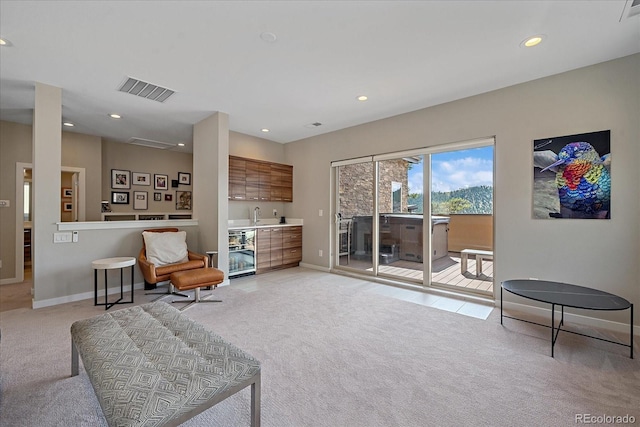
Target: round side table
x=111, y=264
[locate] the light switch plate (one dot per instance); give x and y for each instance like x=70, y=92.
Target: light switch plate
x=62, y=237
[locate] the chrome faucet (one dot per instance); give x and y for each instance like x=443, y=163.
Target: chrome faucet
x=256, y=215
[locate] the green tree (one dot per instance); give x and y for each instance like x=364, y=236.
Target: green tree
x=458, y=204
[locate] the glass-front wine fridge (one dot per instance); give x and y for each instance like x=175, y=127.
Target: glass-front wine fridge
x=242, y=252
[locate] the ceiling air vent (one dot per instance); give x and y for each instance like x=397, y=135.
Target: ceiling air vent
x=150, y=143
x=146, y=90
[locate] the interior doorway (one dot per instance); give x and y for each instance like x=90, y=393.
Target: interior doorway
x=72, y=197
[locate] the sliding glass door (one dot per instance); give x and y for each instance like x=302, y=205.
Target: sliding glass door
x=354, y=227
x=400, y=221
x=462, y=218
x=381, y=206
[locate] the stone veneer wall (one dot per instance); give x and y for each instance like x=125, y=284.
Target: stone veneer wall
x=356, y=187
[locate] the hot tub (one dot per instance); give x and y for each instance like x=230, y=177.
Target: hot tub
x=401, y=237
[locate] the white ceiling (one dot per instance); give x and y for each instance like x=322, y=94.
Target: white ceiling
x=403, y=55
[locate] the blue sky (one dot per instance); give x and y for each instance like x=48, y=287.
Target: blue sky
x=456, y=169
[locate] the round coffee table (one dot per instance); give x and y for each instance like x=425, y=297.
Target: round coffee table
x=111, y=264
x=566, y=295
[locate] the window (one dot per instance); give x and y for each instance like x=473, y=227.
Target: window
x=396, y=196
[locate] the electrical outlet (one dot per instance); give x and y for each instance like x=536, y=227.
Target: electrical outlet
x=5, y=203
x=320, y=212
x=320, y=252
x=74, y=237
x=275, y=212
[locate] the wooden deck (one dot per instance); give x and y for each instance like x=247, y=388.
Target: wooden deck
x=446, y=272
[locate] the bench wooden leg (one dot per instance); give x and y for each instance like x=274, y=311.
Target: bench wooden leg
x=463, y=263
x=478, y=265
x=255, y=403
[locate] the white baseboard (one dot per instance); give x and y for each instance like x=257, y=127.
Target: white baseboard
x=82, y=296
x=315, y=267
x=571, y=317
x=89, y=295
x=9, y=281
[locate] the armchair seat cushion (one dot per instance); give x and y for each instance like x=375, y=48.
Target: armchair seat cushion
x=167, y=269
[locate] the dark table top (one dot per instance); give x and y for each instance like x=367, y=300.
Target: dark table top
x=565, y=294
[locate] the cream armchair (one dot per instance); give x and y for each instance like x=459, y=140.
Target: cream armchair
x=168, y=254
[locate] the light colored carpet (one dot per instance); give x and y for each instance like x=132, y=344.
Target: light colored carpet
x=334, y=353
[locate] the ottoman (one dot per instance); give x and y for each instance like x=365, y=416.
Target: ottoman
x=196, y=279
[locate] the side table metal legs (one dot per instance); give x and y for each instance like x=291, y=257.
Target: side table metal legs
x=555, y=331
x=107, y=304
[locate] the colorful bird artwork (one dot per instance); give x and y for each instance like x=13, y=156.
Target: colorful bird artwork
x=583, y=182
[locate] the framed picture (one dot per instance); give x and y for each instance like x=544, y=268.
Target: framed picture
x=160, y=182
x=140, y=178
x=184, y=178
x=120, y=179
x=572, y=176
x=168, y=197
x=67, y=206
x=67, y=192
x=120, y=197
x=157, y=197
x=183, y=200
x=140, y=200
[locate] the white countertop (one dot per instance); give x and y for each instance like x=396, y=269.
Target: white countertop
x=237, y=224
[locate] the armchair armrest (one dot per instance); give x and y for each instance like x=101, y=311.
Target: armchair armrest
x=148, y=269
x=194, y=256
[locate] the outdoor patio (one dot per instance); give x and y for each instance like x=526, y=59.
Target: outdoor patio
x=446, y=272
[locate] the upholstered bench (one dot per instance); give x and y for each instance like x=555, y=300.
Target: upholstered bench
x=151, y=365
x=196, y=279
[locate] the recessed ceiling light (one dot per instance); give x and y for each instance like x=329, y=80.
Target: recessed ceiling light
x=180, y=144
x=532, y=41
x=5, y=42
x=115, y=116
x=362, y=98
x=268, y=37
x=68, y=124
x=265, y=130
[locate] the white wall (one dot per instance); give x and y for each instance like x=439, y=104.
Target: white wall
x=604, y=254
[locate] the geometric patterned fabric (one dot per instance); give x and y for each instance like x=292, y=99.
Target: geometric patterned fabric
x=151, y=364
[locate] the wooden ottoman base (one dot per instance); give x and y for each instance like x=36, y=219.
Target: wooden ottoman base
x=196, y=279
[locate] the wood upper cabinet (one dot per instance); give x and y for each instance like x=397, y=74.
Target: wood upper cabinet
x=281, y=182
x=237, y=178
x=258, y=180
